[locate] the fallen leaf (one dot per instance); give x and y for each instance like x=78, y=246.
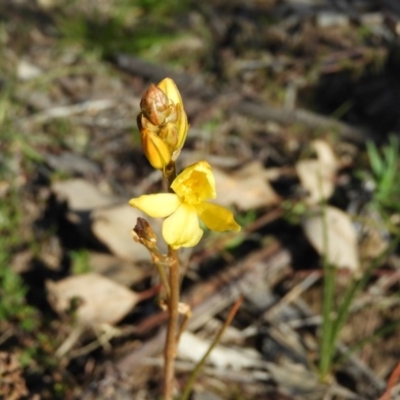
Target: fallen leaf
x=341, y=248
x=101, y=301
x=107, y=217
x=71, y=162
x=247, y=188
x=82, y=195
x=325, y=153
x=192, y=348
x=124, y=272
x=295, y=376
x=113, y=226
x=27, y=71
x=317, y=176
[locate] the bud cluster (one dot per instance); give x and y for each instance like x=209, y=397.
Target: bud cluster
x=163, y=123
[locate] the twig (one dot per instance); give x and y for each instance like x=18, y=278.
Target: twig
x=66, y=111
x=192, y=84
x=69, y=342
x=187, y=314
x=292, y=295
x=262, y=112
x=395, y=375
x=6, y=335
x=240, y=376
x=216, y=340
x=269, y=263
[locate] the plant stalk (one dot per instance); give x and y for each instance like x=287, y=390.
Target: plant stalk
x=171, y=342
x=172, y=304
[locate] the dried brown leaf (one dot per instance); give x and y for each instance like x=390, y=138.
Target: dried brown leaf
x=317, y=176
x=341, y=248
x=100, y=300
x=113, y=226
x=248, y=188
x=82, y=195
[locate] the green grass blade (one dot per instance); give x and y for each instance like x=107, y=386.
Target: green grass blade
x=357, y=286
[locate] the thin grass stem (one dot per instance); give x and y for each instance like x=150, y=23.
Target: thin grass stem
x=327, y=304
x=195, y=372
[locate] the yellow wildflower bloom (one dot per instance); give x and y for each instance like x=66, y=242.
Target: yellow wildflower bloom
x=183, y=208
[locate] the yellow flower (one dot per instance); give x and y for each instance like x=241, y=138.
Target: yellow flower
x=183, y=208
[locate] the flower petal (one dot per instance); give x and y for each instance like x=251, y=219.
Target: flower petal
x=155, y=149
x=157, y=205
x=170, y=89
x=217, y=218
x=195, y=183
x=182, y=125
x=182, y=228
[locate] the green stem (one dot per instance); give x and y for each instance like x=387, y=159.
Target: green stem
x=331, y=328
x=327, y=339
x=356, y=287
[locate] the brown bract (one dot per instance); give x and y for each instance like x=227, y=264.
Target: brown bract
x=154, y=104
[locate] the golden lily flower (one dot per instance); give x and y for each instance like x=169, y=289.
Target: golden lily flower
x=183, y=208
x=163, y=123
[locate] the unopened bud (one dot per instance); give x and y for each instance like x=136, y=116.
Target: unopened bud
x=154, y=104
x=169, y=133
x=163, y=123
x=168, y=86
x=155, y=149
x=182, y=130
x=170, y=90
x=143, y=233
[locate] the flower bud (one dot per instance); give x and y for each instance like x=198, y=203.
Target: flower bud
x=155, y=149
x=154, y=104
x=143, y=122
x=168, y=86
x=163, y=123
x=170, y=90
x=169, y=133
x=182, y=130
x=143, y=233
